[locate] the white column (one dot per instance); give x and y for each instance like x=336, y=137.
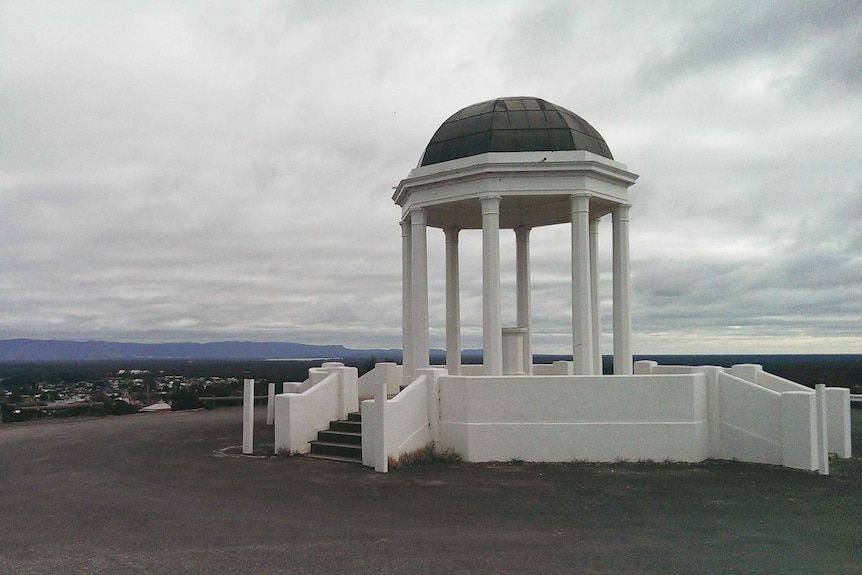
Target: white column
x=378, y=432
x=248, y=417
x=406, y=300
x=822, y=433
x=594, y=286
x=270, y=404
x=453, y=304
x=492, y=334
x=622, y=317
x=419, y=288
x=522, y=280
x=582, y=330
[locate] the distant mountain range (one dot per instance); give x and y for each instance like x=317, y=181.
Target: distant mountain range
x=13, y=350
x=28, y=350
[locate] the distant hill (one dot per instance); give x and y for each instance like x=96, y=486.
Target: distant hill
x=19, y=350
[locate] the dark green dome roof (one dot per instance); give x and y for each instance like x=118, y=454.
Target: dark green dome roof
x=512, y=125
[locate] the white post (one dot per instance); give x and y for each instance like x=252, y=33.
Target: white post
x=822, y=437
x=248, y=417
x=381, y=460
x=492, y=334
x=522, y=273
x=594, y=290
x=622, y=314
x=406, y=301
x=582, y=330
x=270, y=404
x=453, y=304
x=419, y=288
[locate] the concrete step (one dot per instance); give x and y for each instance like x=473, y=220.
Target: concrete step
x=341, y=442
x=334, y=436
x=347, y=426
x=333, y=458
x=336, y=449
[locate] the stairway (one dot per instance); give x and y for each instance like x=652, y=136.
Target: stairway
x=341, y=442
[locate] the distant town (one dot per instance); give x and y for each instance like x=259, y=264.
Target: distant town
x=53, y=389
x=63, y=389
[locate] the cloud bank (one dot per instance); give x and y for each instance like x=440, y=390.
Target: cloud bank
x=211, y=170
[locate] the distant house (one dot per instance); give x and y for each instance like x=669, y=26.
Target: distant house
x=156, y=407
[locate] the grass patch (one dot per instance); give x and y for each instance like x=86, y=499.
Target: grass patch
x=427, y=455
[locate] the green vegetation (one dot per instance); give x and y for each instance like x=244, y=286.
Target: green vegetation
x=427, y=455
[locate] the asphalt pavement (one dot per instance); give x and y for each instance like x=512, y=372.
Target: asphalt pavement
x=166, y=493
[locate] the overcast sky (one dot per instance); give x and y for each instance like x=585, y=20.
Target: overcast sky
x=208, y=171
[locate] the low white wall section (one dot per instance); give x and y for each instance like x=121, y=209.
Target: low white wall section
x=387, y=372
x=566, y=418
x=472, y=369
x=750, y=421
x=799, y=447
x=779, y=384
x=315, y=376
x=299, y=416
x=405, y=423
x=556, y=368
x=760, y=417
x=838, y=421
x=682, y=413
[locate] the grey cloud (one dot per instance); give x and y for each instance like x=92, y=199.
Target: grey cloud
x=204, y=172
x=810, y=44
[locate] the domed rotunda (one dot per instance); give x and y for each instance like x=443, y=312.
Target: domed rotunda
x=521, y=163
x=514, y=163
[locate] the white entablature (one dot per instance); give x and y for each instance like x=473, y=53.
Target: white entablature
x=534, y=188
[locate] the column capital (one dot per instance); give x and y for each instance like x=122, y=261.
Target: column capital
x=522, y=233
x=580, y=203
x=621, y=212
x=405, y=227
x=451, y=234
x=490, y=203
x=417, y=216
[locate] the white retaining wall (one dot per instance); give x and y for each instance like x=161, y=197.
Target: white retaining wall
x=763, y=426
x=679, y=413
x=760, y=417
x=402, y=424
x=331, y=393
x=566, y=418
